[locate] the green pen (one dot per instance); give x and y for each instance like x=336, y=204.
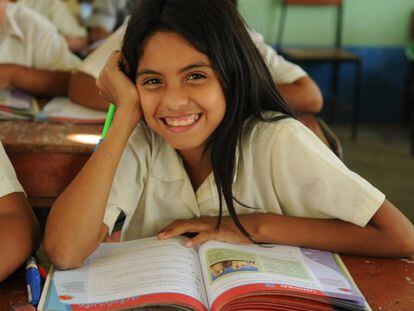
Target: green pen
x=108, y=121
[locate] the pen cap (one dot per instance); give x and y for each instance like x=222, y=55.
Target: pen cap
x=33, y=281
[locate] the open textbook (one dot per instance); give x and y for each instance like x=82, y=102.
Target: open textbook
x=16, y=105
x=215, y=276
x=61, y=109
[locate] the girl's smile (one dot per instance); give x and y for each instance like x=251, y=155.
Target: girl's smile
x=179, y=124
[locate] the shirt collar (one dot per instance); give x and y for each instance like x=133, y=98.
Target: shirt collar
x=167, y=164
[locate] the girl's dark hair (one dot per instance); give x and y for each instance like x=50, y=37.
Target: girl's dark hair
x=215, y=28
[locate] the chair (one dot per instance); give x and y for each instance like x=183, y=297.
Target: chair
x=335, y=56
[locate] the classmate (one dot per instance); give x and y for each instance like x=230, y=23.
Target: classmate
x=198, y=114
x=59, y=13
x=19, y=229
x=301, y=92
x=107, y=16
x=33, y=56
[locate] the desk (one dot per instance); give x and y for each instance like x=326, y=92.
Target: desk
x=46, y=156
x=387, y=284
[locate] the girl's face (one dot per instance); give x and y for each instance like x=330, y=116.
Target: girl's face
x=181, y=96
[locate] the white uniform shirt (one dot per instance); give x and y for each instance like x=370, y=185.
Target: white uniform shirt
x=29, y=39
x=60, y=14
x=281, y=70
x=8, y=179
x=282, y=168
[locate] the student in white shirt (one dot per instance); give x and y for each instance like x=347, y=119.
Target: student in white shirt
x=203, y=142
x=19, y=229
x=107, y=16
x=34, y=57
x=301, y=92
x=60, y=14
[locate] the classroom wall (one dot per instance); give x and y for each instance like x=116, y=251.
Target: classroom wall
x=377, y=30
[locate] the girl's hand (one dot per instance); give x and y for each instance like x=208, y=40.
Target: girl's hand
x=115, y=87
x=205, y=228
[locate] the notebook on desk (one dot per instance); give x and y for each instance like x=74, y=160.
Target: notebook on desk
x=215, y=276
x=16, y=105
x=61, y=109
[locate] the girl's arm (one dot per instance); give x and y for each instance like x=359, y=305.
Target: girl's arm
x=388, y=234
x=75, y=224
x=19, y=232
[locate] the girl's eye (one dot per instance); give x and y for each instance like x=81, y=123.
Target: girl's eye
x=151, y=81
x=196, y=76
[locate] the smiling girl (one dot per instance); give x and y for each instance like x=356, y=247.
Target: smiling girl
x=202, y=142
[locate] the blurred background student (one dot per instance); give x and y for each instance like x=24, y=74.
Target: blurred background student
x=19, y=229
x=106, y=16
x=34, y=57
x=60, y=14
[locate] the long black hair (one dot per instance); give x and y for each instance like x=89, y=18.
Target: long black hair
x=215, y=28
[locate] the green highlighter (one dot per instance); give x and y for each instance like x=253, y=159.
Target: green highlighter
x=108, y=122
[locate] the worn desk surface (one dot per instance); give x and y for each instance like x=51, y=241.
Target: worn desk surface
x=387, y=284
x=47, y=156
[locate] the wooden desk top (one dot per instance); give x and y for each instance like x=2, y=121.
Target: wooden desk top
x=387, y=284
x=47, y=156
x=31, y=136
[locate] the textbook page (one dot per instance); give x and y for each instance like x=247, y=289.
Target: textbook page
x=61, y=109
x=227, y=266
x=133, y=269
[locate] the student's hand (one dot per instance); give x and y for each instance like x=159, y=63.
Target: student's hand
x=115, y=87
x=6, y=76
x=205, y=228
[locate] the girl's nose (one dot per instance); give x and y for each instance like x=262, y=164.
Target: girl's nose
x=175, y=98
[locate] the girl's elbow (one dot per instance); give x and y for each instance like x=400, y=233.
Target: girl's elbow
x=61, y=258
x=407, y=246
x=402, y=245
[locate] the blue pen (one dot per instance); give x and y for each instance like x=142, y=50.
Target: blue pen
x=33, y=281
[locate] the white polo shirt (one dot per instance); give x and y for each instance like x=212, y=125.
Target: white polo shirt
x=8, y=178
x=281, y=70
x=29, y=39
x=60, y=14
x=282, y=168
x=109, y=14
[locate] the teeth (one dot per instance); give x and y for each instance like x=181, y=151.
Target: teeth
x=190, y=119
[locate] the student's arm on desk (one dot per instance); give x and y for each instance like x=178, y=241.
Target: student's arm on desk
x=388, y=234
x=75, y=226
x=35, y=81
x=83, y=91
x=19, y=232
x=303, y=95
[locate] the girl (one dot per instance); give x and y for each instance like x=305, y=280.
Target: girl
x=202, y=142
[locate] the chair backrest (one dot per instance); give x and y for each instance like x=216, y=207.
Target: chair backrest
x=335, y=3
